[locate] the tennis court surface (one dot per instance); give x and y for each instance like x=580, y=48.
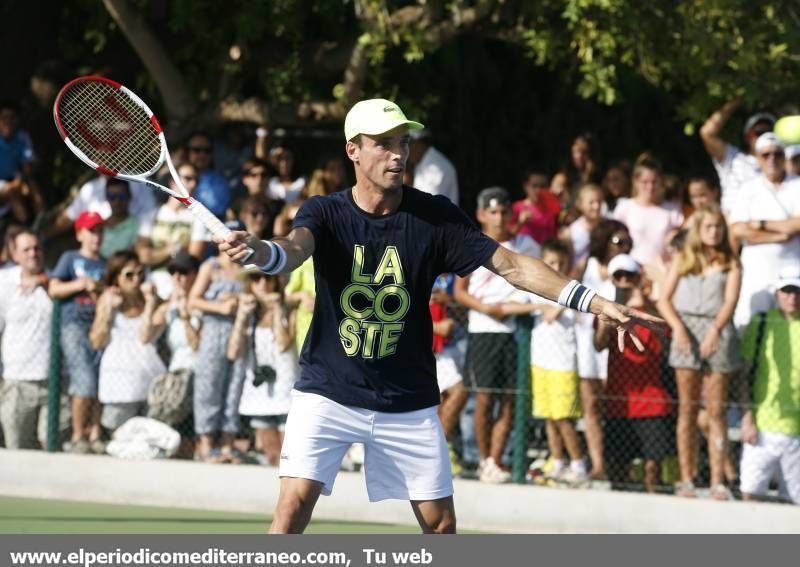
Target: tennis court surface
x=44, y=516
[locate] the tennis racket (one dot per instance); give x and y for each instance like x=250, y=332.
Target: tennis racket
x=114, y=132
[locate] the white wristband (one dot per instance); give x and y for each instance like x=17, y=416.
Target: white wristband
x=277, y=259
x=576, y=296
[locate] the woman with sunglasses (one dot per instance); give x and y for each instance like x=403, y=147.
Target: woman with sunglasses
x=606, y=240
x=257, y=216
x=122, y=330
x=262, y=339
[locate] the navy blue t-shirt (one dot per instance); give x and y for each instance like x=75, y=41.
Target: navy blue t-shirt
x=369, y=344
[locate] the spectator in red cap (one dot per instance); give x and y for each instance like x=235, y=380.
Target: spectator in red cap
x=76, y=282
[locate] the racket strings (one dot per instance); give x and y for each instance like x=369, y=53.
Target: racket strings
x=110, y=128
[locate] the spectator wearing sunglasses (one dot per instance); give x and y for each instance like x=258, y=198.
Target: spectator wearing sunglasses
x=766, y=220
x=734, y=166
x=172, y=229
x=256, y=173
x=122, y=331
x=257, y=216
x=606, y=241
x=212, y=188
x=92, y=197
x=121, y=229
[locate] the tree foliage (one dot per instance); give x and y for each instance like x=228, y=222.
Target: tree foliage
x=617, y=66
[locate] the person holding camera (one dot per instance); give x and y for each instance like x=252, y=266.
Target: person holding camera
x=262, y=337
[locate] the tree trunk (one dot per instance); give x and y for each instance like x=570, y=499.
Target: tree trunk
x=179, y=103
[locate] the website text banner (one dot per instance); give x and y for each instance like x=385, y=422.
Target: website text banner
x=391, y=550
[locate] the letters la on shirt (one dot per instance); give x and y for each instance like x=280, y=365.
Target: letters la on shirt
x=369, y=345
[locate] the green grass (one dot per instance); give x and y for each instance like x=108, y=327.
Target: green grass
x=40, y=516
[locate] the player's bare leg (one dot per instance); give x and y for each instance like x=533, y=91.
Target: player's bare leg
x=435, y=516
x=296, y=502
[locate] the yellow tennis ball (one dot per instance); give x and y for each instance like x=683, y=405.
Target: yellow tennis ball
x=788, y=129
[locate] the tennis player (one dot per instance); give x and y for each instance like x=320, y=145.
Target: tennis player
x=368, y=371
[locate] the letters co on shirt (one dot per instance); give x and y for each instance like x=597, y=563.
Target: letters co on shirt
x=374, y=305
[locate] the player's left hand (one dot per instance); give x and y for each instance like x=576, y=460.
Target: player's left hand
x=624, y=318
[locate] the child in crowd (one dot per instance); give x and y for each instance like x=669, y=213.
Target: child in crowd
x=215, y=294
x=700, y=192
x=771, y=425
x=300, y=295
x=491, y=358
x=262, y=338
x=554, y=373
x=76, y=281
x=448, y=343
x=638, y=406
x=535, y=216
x=698, y=301
x=590, y=204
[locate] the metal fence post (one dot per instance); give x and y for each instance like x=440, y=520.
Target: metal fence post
x=54, y=381
x=522, y=406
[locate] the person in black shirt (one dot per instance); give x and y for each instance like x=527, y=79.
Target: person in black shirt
x=367, y=369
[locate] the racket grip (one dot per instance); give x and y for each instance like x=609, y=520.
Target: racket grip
x=213, y=224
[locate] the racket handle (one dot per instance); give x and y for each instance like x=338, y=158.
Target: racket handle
x=213, y=224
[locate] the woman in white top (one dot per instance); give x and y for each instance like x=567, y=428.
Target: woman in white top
x=123, y=331
x=285, y=186
x=608, y=239
x=262, y=336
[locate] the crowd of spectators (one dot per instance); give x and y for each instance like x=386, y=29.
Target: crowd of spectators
x=153, y=322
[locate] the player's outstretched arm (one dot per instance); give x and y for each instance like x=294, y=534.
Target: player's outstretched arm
x=531, y=274
x=296, y=248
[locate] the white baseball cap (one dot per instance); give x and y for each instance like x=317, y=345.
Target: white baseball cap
x=623, y=263
x=768, y=140
x=788, y=276
x=375, y=116
x=792, y=151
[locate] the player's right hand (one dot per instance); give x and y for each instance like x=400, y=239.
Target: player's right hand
x=236, y=245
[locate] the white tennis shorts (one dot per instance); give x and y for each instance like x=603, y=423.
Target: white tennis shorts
x=591, y=364
x=774, y=453
x=405, y=454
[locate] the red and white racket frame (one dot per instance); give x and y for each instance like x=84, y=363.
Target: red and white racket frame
x=198, y=209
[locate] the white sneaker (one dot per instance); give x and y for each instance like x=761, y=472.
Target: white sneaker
x=574, y=478
x=493, y=474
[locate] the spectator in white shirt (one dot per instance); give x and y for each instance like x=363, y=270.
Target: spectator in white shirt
x=734, y=166
x=92, y=197
x=766, y=219
x=25, y=316
x=433, y=172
